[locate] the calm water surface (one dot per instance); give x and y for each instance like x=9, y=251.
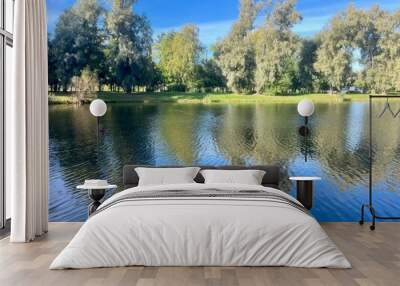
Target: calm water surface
x=224, y=134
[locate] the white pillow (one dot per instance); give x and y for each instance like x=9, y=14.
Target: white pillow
x=247, y=177
x=166, y=176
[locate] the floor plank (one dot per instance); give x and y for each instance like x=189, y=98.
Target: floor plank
x=375, y=257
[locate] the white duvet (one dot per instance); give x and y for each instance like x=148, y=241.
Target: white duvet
x=200, y=232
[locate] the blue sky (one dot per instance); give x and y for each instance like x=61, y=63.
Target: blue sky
x=214, y=17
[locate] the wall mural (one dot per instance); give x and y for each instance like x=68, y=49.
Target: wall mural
x=189, y=83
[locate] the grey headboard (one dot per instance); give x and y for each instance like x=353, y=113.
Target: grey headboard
x=271, y=177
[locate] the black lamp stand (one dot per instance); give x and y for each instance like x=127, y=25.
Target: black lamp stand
x=305, y=132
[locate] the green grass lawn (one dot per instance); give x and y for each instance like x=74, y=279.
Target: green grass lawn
x=206, y=98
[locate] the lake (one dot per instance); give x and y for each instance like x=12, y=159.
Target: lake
x=224, y=134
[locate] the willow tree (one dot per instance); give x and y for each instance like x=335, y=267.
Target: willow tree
x=277, y=50
x=334, y=56
x=235, y=53
x=383, y=75
x=374, y=35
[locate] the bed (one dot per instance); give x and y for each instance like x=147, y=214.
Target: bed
x=199, y=224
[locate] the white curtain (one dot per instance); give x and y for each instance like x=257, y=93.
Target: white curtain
x=27, y=124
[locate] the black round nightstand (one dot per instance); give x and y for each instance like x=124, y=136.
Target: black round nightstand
x=305, y=190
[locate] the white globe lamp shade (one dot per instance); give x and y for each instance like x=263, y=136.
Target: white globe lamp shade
x=98, y=108
x=305, y=108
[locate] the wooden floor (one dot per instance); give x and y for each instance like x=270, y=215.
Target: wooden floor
x=375, y=257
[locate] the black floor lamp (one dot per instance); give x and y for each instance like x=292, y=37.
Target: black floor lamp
x=98, y=108
x=306, y=109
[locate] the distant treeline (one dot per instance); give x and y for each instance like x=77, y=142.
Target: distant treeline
x=94, y=48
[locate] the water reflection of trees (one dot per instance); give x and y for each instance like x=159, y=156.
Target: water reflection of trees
x=261, y=134
x=267, y=134
x=342, y=141
x=242, y=133
x=345, y=163
x=239, y=134
x=178, y=128
x=72, y=157
x=72, y=141
x=128, y=138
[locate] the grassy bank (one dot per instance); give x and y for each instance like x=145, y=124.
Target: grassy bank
x=206, y=98
x=64, y=99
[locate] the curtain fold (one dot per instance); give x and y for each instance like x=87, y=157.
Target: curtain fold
x=27, y=124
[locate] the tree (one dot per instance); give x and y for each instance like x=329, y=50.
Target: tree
x=383, y=74
x=86, y=83
x=235, y=54
x=308, y=79
x=90, y=39
x=52, y=66
x=151, y=76
x=209, y=76
x=129, y=45
x=375, y=36
x=350, y=32
x=177, y=55
x=77, y=43
x=277, y=50
x=334, y=56
x=115, y=46
x=64, y=48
